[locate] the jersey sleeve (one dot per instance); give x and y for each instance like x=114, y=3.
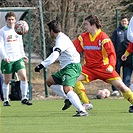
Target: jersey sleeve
x=61, y=44
x=109, y=56
x=129, y=49
x=2, y=48
x=52, y=58
x=78, y=43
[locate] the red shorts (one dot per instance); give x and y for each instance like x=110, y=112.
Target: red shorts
x=99, y=73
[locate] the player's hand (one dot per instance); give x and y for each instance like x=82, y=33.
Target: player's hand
x=38, y=68
x=109, y=69
x=123, y=57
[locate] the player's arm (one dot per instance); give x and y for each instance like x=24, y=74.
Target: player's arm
x=110, y=51
x=128, y=51
x=2, y=48
x=52, y=58
x=130, y=31
x=78, y=43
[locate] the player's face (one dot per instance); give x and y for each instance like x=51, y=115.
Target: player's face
x=11, y=21
x=124, y=22
x=87, y=26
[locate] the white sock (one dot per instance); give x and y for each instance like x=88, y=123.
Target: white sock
x=24, y=89
x=74, y=99
x=58, y=89
x=5, y=89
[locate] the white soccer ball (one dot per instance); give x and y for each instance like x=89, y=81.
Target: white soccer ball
x=21, y=27
x=107, y=93
x=100, y=94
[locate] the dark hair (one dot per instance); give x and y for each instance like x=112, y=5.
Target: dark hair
x=123, y=16
x=54, y=25
x=93, y=20
x=10, y=14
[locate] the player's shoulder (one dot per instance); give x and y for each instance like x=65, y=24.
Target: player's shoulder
x=84, y=34
x=103, y=34
x=4, y=28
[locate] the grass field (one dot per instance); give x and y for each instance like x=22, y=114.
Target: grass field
x=107, y=116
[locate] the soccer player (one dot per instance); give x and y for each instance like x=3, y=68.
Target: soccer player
x=100, y=57
x=65, y=79
x=128, y=51
x=13, y=58
x=120, y=42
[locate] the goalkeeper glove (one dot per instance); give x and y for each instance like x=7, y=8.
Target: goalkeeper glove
x=38, y=68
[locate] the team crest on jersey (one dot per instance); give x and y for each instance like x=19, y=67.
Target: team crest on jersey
x=16, y=36
x=100, y=43
x=9, y=37
x=12, y=38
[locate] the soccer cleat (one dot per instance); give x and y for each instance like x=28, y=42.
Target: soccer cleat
x=115, y=93
x=6, y=103
x=67, y=104
x=26, y=102
x=131, y=109
x=80, y=113
x=88, y=106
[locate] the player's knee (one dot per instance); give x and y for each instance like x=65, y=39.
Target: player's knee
x=50, y=81
x=7, y=81
x=67, y=89
x=120, y=85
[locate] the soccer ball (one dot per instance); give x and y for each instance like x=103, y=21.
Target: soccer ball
x=100, y=94
x=107, y=93
x=21, y=27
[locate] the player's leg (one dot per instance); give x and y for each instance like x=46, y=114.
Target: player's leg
x=54, y=82
x=127, y=93
x=19, y=67
x=69, y=77
x=5, y=87
x=74, y=99
x=127, y=72
x=131, y=106
x=117, y=68
x=6, y=69
x=81, y=92
x=116, y=81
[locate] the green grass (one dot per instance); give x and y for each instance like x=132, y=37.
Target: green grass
x=107, y=116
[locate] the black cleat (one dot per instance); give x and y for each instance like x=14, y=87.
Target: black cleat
x=131, y=109
x=6, y=103
x=67, y=104
x=80, y=113
x=26, y=102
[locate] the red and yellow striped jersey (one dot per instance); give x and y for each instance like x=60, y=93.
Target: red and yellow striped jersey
x=98, y=50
